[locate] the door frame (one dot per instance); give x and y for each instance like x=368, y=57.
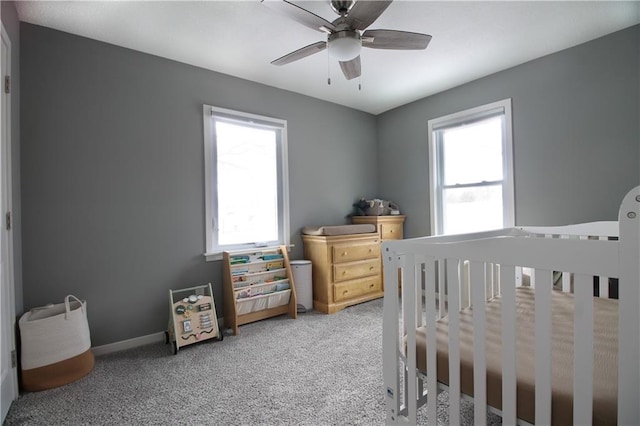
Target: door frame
x=6, y=193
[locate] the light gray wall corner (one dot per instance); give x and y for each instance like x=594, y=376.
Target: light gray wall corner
x=332, y=158
x=404, y=174
x=113, y=174
x=12, y=26
x=576, y=135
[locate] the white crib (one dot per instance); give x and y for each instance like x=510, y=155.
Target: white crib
x=481, y=315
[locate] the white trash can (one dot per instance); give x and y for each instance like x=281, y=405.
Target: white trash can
x=301, y=270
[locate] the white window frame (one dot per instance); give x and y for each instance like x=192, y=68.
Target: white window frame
x=213, y=251
x=436, y=172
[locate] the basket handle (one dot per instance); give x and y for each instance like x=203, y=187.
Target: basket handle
x=68, y=307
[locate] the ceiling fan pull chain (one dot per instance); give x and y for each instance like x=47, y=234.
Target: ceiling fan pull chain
x=328, y=71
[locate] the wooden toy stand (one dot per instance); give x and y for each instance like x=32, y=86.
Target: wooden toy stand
x=192, y=317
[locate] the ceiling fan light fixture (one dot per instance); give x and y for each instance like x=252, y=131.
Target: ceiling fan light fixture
x=344, y=45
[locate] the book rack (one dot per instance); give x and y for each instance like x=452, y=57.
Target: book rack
x=258, y=284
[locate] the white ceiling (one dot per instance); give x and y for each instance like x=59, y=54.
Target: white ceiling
x=470, y=40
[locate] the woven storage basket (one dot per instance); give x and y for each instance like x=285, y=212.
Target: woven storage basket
x=55, y=345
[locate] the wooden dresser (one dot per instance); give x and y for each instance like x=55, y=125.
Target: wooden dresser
x=346, y=269
x=388, y=227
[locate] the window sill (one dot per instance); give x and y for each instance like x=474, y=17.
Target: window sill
x=210, y=257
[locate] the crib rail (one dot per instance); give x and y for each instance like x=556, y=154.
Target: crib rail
x=593, y=231
x=440, y=276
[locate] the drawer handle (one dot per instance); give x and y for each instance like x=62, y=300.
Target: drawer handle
x=344, y=272
x=345, y=292
x=344, y=254
x=391, y=231
x=371, y=268
x=371, y=285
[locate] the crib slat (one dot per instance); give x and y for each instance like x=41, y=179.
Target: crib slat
x=430, y=311
x=566, y=276
x=603, y=282
x=488, y=282
x=409, y=289
x=507, y=286
x=453, y=276
x=405, y=301
x=583, y=350
x=391, y=337
x=477, y=274
x=405, y=326
x=440, y=284
x=420, y=301
x=543, y=352
x=566, y=282
x=465, y=298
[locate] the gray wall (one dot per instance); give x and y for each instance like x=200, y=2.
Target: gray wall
x=113, y=174
x=12, y=26
x=576, y=134
x=112, y=161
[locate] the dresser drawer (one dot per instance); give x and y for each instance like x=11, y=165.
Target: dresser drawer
x=391, y=231
x=352, y=289
x=349, y=271
x=351, y=252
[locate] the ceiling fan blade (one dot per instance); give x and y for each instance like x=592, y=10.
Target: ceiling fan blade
x=364, y=12
x=301, y=53
x=391, y=39
x=300, y=15
x=351, y=69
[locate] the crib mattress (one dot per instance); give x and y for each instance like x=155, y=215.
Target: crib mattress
x=605, y=356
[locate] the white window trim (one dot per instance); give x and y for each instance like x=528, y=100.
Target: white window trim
x=472, y=114
x=209, y=199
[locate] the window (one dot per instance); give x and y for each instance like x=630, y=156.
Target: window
x=247, y=194
x=471, y=170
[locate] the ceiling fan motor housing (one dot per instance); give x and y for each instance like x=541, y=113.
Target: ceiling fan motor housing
x=341, y=7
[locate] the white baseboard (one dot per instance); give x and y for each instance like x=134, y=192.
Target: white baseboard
x=137, y=341
x=128, y=344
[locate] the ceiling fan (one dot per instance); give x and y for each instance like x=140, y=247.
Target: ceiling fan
x=347, y=34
